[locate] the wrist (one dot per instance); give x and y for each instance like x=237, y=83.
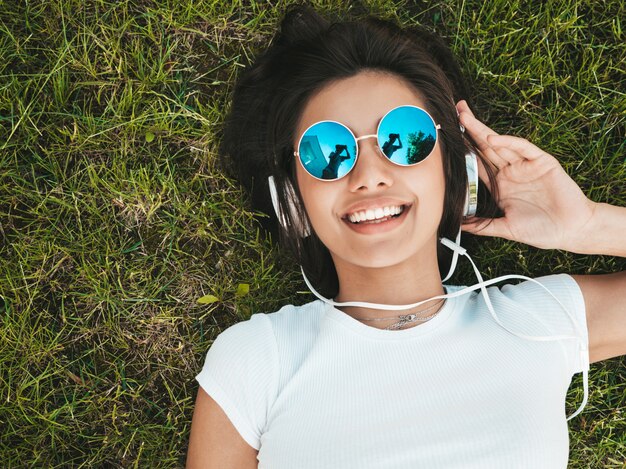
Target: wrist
x=604, y=233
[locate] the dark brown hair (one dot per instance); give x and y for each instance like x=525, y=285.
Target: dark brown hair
x=307, y=53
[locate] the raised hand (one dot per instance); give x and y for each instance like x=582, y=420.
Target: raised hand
x=542, y=205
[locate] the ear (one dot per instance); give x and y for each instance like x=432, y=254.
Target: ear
x=302, y=226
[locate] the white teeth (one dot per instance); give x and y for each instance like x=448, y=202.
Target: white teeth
x=375, y=214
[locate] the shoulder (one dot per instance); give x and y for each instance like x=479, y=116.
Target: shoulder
x=240, y=373
x=296, y=318
x=257, y=338
x=244, y=340
x=551, y=288
x=243, y=347
x=558, y=292
x=551, y=304
x=244, y=365
x=559, y=288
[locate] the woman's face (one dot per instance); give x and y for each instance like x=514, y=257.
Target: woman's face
x=359, y=102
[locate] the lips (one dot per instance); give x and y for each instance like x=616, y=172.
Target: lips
x=376, y=218
x=376, y=215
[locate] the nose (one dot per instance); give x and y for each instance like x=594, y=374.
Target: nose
x=371, y=170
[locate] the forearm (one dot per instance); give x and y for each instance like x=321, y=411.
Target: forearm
x=604, y=234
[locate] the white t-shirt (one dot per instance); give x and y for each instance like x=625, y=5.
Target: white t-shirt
x=312, y=387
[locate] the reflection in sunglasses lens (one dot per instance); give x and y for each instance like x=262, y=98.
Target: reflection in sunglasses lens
x=327, y=150
x=407, y=135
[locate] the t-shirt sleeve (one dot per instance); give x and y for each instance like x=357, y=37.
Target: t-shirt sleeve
x=240, y=373
x=553, y=317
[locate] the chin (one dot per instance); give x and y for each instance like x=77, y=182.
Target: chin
x=384, y=255
x=380, y=259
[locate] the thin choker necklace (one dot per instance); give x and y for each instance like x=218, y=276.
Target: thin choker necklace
x=408, y=318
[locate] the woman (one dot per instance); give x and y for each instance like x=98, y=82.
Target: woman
x=459, y=378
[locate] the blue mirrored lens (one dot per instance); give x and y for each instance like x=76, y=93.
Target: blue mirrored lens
x=407, y=135
x=327, y=150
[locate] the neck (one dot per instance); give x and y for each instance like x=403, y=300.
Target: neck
x=412, y=281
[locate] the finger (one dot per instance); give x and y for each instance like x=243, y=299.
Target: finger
x=462, y=105
x=477, y=130
x=508, y=155
x=487, y=227
x=520, y=146
x=480, y=133
x=495, y=158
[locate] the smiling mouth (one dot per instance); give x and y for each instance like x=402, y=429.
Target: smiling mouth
x=378, y=215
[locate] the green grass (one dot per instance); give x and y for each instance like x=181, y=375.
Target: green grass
x=114, y=219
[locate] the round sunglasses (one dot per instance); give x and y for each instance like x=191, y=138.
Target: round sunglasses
x=406, y=135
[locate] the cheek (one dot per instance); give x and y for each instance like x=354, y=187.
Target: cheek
x=430, y=201
x=316, y=200
x=306, y=190
x=431, y=185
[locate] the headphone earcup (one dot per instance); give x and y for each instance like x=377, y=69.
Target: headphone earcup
x=302, y=226
x=471, y=198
